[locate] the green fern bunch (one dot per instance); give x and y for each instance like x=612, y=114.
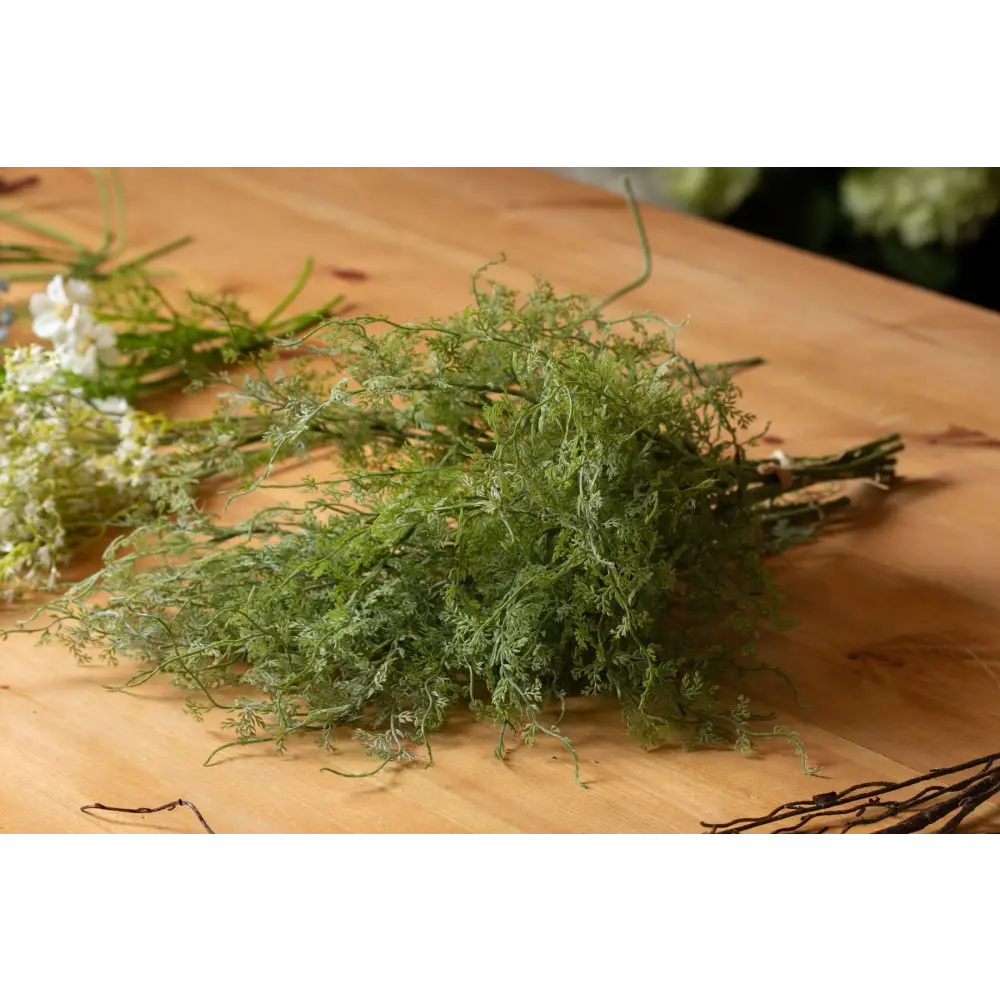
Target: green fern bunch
x=530, y=501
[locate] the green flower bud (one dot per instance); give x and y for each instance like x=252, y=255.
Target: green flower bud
x=921, y=205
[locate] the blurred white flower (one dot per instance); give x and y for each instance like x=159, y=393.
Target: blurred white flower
x=86, y=346
x=58, y=309
x=114, y=406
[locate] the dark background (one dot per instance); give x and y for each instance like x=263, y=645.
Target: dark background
x=799, y=206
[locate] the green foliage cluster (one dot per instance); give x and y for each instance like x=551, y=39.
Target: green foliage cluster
x=922, y=205
x=163, y=344
x=531, y=500
x=712, y=191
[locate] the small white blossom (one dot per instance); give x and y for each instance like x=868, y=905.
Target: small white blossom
x=87, y=346
x=59, y=308
x=114, y=406
x=62, y=316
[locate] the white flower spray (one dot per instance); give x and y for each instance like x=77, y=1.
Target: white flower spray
x=75, y=458
x=68, y=467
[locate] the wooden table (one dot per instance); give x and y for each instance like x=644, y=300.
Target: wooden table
x=898, y=650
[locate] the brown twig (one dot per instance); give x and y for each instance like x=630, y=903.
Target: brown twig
x=867, y=803
x=146, y=809
x=12, y=187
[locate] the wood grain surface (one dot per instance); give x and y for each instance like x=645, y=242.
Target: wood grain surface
x=897, y=653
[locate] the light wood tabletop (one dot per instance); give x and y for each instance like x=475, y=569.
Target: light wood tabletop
x=897, y=651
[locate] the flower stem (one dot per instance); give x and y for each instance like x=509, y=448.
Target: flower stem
x=143, y=259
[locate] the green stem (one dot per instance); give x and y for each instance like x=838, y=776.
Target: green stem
x=741, y=363
x=119, y=199
x=296, y=291
x=14, y=219
x=297, y=324
x=32, y=276
x=162, y=251
x=105, y=208
x=647, y=253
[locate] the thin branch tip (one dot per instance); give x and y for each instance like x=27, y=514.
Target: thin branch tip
x=145, y=810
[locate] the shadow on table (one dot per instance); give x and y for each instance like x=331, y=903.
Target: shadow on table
x=901, y=665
